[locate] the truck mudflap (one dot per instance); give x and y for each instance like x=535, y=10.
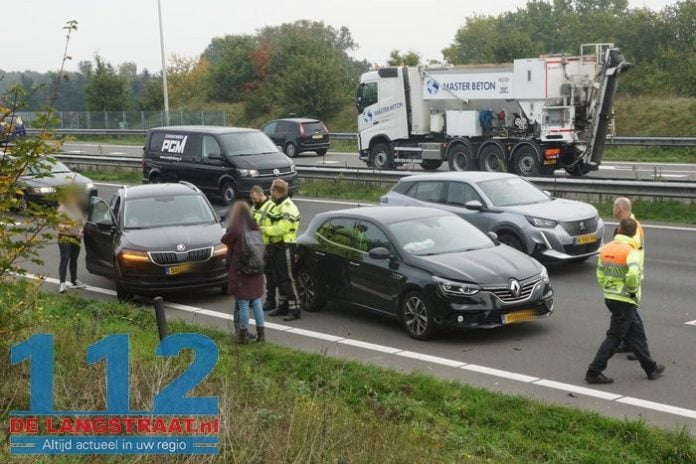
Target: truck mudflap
x=614, y=65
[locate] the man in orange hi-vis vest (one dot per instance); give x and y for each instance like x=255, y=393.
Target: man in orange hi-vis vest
x=624, y=210
x=619, y=274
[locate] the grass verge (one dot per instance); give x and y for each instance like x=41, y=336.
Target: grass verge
x=280, y=405
x=128, y=176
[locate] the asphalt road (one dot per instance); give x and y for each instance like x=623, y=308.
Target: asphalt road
x=528, y=359
x=608, y=170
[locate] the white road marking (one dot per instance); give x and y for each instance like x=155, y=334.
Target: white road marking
x=117, y=153
x=76, y=151
x=326, y=162
x=677, y=411
x=608, y=396
x=691, y=323
x=577, y=389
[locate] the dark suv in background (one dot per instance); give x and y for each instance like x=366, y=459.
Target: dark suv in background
x=298, y=135
x=221, y=161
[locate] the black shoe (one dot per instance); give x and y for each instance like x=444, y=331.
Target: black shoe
x=278, y=312
x=659, y=369
x=261, y=335
x=242, y=337
x=631, y=357
x=598, y=379
x=269, y=308
x=291, y=317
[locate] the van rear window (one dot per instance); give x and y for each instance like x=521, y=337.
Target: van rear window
x=314, y=127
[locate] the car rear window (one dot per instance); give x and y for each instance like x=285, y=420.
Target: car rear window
x=314, y=127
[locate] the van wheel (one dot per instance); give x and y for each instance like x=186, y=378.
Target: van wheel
x=290, y=150
x=460, y=158
x=155, y=179
x=431, y=165
x=382, y=156
x=228, y=193
x=416, y=316
x=321, y=152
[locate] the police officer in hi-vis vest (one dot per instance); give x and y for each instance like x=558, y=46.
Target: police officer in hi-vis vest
x=283, y=219
x=261, y=205
x=619, y=275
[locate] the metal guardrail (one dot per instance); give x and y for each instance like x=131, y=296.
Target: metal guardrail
x=555, y=185
x=619, y=141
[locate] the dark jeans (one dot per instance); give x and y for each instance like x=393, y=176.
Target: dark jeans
x=271, y=300
x=68, y=255
x=626, y=325
x=282, y=256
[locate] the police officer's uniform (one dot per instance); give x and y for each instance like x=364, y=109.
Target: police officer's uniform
x=281, y=232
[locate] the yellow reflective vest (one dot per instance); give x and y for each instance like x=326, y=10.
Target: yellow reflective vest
x=284, y=221
x=261, y=216
x=619, y=270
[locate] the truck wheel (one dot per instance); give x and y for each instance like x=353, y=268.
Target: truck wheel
x=492, y=158
x=460, y=157
x=526, y=161
x=382, y=156
x=431, y=165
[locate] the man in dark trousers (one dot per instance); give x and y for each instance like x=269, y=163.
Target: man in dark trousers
x=619, y=275
x=284, y=220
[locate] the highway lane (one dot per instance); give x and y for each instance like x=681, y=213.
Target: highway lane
x=558, y=348
x=608, y=169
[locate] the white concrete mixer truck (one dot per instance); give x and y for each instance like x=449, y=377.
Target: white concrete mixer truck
x=530, y=117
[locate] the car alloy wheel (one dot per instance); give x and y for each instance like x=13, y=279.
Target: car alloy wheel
x=416, y=317
x=308, y=291
x=228, y=193
x=290, y=150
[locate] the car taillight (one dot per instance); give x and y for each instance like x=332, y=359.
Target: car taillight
x=302, y=131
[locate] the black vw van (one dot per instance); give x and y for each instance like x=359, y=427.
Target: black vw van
x=221, y=161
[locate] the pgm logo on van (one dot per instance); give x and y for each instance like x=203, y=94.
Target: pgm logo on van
x=432, y=86
x=174, y=143
x=367, y=116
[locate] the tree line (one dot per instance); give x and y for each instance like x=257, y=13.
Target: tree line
x=306, y=67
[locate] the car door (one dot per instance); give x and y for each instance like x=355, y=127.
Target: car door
x=100, y=230
x=210, y=165
x=374, y=283
x=457, y=194
x=336, y=248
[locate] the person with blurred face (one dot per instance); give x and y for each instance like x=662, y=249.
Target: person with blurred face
x=70, y=232
x=260, y=208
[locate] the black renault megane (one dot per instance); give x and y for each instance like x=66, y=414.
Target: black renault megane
x=428, y=268
x=156, y=238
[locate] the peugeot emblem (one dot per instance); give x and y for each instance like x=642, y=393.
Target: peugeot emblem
x=180, y=247
x=515, y=287
x=581, y=226
x=276, y=172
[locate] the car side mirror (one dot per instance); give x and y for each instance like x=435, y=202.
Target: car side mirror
x=379, y=253
x=493, y=236
x=214, y=156
x=105, y=224
x=474, y=205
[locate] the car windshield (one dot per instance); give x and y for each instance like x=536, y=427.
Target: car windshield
x=167, y=210
x=59, y=167
x=437, y=235
x=247, y=143
x=512, y=191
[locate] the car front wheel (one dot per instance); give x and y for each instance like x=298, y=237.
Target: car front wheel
x=416, y=316
x=291, y=150
x=311, y=298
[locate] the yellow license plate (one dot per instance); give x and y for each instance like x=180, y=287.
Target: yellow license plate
x=318, y=136
x=176, y=270
x=522, y=315
x=585, y=239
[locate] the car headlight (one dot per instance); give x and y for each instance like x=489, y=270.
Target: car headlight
x=134, y=256
x=220, y=250
x=293, y=168
x=89, y=186
x=449, y=287
x=541, y=222
x=248, y=172
x=545, y=275
x=43, y=190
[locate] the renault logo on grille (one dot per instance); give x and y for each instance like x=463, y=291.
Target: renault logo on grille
x=180, y=247
x=515, y=287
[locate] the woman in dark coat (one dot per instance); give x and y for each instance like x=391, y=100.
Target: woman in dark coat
x=247, y=289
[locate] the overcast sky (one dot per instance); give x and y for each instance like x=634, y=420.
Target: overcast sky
x=126, y=30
